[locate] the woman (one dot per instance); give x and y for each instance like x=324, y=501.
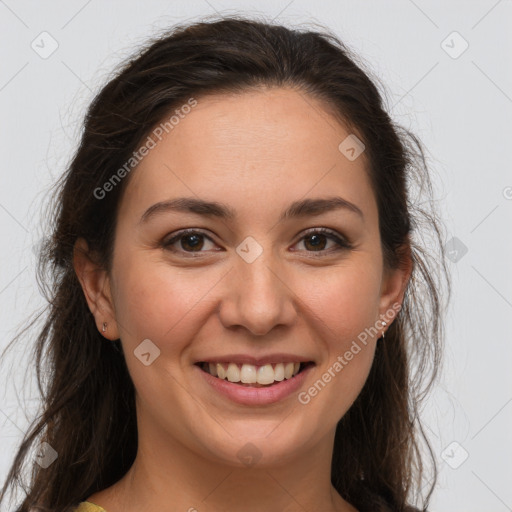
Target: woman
x=238, y=295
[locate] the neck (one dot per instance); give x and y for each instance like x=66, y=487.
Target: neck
x=166, y=475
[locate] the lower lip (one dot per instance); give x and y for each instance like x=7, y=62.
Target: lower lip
x=256, y=396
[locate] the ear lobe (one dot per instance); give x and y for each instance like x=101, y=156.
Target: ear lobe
x=395, y=283
x=95, y=284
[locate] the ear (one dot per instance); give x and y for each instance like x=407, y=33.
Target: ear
x=394, y=284
x=95, y=284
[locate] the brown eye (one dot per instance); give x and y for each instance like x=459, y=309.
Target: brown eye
x=187, y=241
x=194, y=242
x=317, y=239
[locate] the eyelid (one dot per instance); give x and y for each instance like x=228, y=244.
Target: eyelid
x=324, y=231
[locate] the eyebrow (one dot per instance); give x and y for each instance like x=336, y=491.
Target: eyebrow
x=302, y=208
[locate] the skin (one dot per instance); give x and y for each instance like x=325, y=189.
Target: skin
x=256, y=152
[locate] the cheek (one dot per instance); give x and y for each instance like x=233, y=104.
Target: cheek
x=154, y=302
x=344, y=304
x=160, y=304
x=345, y=300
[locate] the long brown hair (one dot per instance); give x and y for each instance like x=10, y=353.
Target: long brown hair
x=88, y=408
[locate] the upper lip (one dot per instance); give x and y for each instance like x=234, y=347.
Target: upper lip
x=256, y=361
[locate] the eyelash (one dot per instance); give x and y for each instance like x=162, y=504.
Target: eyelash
x=342, y=243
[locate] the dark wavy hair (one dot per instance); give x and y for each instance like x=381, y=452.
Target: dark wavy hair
x=377, y=462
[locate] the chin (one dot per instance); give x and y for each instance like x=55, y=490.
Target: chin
x=266, y=446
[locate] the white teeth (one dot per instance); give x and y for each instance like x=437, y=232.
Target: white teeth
x=233, y=373
x=265, y=374
x=221, y=372
x=250, y=374
x=279, y=372
x=288, y=370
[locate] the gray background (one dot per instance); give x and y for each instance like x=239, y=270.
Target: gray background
x=459, y=103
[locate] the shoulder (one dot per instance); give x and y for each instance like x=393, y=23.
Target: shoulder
x=87, y=506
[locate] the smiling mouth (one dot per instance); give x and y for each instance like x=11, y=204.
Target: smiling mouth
x=249, y=375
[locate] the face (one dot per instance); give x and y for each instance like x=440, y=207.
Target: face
x=255, y=286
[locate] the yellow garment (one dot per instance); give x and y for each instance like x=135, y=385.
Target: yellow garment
x=87, y=506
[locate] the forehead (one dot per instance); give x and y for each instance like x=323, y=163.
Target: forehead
x=251, y=149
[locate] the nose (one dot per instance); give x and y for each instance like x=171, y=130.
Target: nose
x=257, y=297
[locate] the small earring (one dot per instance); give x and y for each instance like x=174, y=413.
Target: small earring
x=104, y=328
x=384, y=332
